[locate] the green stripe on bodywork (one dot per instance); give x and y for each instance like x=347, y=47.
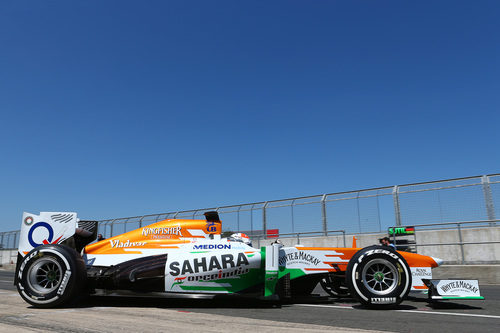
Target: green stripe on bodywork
x=294, y=272
x=206, y=288
x=199, y=251
x=237, y=283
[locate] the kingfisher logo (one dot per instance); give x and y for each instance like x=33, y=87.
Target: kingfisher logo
x=212, y=247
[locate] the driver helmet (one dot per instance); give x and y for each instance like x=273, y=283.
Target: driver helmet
x=240, y=237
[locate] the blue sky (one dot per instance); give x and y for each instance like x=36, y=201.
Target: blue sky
x=119, y=108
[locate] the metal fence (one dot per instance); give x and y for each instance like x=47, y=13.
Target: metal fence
x=354, y=212
x=458, y=241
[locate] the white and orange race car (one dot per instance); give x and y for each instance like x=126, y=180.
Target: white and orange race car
x=59, y=261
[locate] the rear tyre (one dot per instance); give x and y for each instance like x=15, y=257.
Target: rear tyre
x=378, y=277
x=51, y=275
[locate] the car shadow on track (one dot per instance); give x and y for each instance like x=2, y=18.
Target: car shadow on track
x=443, y=304
x=452, y=306
x=147, y=302
x=223, y=302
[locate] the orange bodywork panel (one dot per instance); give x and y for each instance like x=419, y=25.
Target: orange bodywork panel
x=160, y=235
x=413, y=259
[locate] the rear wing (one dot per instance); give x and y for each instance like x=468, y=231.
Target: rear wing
x=55, y=228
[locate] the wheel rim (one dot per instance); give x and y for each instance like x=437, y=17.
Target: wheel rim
x=380, y=276
x=45, y=275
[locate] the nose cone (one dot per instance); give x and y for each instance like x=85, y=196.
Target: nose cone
x=438, y=261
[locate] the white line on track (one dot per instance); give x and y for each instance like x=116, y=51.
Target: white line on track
x=407, y=311
x=11, y=281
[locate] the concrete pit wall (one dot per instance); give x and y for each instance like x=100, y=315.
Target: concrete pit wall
x=451, y=254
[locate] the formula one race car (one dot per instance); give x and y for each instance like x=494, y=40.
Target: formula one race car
x=59, y=261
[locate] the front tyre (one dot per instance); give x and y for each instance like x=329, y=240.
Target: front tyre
x=50, y=276
x=378, y=277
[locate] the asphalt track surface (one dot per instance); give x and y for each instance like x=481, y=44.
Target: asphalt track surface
x=113, y=314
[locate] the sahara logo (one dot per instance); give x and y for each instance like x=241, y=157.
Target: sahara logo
x=214, y=263
x=48, y=240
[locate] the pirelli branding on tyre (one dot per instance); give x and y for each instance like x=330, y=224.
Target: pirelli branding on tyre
x=51, y=275
x=378, y=277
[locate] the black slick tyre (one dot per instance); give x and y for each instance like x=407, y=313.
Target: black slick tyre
x=51, y=276
x=378, y=277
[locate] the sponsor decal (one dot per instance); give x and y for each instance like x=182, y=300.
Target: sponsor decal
x=212, y=247
x=64, y=282
x=370, y=252
x=178, y=280
x=116, y=243
x=62, y=218
x=28, y=220
x=48, y=240
x=198, y=269
x=383, y=300
x=219, y=275
x=205, y=264
x=402, y=231
x=162, y=232
x=298, y=257
x=211, y=227
x=421, y=272
x=25, y=261
x=459, y=286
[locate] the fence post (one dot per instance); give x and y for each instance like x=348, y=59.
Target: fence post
x=112, y=227
x=323, y=214
x=488, y=198
x=238, y=218
x=140, y=221
x=251, y=220
x=1, y=241
x=397, y=211
x=15, y=238
x=461, y=243
x=264, y=219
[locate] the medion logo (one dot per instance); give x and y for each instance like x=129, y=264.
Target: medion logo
x=212, y=246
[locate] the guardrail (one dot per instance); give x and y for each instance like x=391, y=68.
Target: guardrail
x=458, y=226
x=260, y=237
x=9, y=240
x=359, y=211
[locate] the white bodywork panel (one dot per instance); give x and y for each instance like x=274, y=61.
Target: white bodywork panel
x=46, y=228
